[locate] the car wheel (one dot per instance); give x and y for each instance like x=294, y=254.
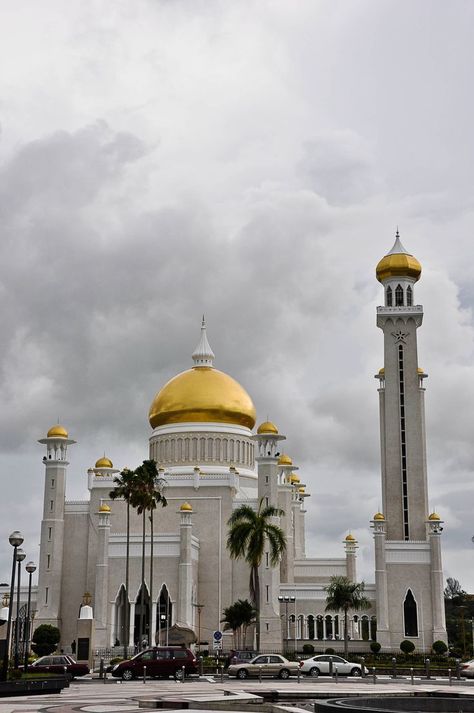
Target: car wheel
x=314, y=672
x=127, y=674
x=242, y=673
x=178, y=674
x=284, y=673
x=356, y=672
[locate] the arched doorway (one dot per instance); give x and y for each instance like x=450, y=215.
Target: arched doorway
x=121, y=605
x=142, y=617
x=164, y=615
x=410, y=614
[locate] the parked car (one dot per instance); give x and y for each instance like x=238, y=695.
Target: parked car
x=160, y=662
x=243, y=656
x=467, y=669
x=59, y=664
x=265, y=665
x=320, y=665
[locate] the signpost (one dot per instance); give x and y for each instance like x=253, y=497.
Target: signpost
x=217, y=641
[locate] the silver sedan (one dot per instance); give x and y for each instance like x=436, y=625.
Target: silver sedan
x=265, y=665
x=321, y=665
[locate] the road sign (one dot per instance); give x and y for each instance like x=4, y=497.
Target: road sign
x=217, y=640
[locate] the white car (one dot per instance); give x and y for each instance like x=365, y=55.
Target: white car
x=320, y=665
x=467, y=669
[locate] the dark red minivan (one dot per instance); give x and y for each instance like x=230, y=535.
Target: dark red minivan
x=160, y=662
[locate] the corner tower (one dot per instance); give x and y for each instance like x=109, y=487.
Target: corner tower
x=409, y=600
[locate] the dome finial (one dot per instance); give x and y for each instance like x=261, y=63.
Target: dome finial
x=203, y=354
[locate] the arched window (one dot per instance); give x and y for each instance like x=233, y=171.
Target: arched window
x=389, y=296
x=311, y=632
x=399, y=296
x=410, y=615
x=409, y=296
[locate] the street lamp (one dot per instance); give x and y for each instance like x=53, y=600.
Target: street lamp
x=15, y=539
x=199, y=608
x=20, y=556
x=30, y=568
x=287, y=599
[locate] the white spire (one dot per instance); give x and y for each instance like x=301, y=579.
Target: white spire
x=203, y=354
x=398, y=248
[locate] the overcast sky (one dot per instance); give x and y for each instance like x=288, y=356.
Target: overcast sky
x=250, y=160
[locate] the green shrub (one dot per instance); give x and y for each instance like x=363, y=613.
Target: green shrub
x=439, y=647
x=407, y=647
x=329, y=651
x=375, y=647
x=308, y=649
x=45, y=639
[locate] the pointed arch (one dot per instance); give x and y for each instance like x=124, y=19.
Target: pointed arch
x=146, y=615
x=410, y=615
x=399, y=296
x=164, y=615
x=409, y=296
x=389, y=295
x=121, y=605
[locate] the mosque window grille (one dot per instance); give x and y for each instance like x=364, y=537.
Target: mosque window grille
x=389, y=296
x=399, y=296
x=409, y=296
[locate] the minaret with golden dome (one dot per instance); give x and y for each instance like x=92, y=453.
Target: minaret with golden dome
x=52, y=526
x=409, y=595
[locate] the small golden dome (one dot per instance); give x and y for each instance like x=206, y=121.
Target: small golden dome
x=398, y=263
x=202, y=394
x=104, y=463
x=104, y=508
x=434, y=516
x=350, y=538
x=186, y=507
x=267, y=427
x=57, y=431
x=294, y=478
x=420, y=370
x=382, y=371
x=285, y=460
x=379, y=516
x=301, y=489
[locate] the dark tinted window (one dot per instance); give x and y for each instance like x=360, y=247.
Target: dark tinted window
x=147, y=656
x=163, y=654
x=180, y=654
x=46, y=661
x=275, y=659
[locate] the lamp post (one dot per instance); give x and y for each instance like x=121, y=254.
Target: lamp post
x=20, y=556
x=199, y=608
x=30, y=568
x=287, y=599
x=15, y=539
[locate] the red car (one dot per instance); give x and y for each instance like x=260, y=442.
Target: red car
x=160, y=662
x=59, y=664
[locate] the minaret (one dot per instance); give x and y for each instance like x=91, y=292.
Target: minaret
x=52, y=526
x=408, y=592
x=350, y=548
x=267, y=438
x=185, y=571
x=101, y=575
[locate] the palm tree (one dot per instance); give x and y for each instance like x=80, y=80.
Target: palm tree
x=249, y=531
x=146, y=494
x=124, y=485
x=342, y=595
x=238, y=617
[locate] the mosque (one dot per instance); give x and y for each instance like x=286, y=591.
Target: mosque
x=203, y=437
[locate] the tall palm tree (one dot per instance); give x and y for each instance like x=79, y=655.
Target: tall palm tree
x=249, y=531
x=124, y=485
x=342, y=595
x=147, y=494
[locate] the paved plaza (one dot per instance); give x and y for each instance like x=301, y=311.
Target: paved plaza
x=95, y=696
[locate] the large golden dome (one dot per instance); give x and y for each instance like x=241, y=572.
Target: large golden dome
x=398, y=263
x=202, y=394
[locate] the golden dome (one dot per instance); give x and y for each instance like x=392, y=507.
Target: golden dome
x=285, y=460
x=398, y=263
x=104, y=508
x=104, y=463
x=57, y=431
x=294, y=478
x=379, y=516
x=382, y=371
x=301, y=489
x=202, y=394
x=434, y=516
x=420, y=370
x=350, y=538
x=186, y=507
x=267, y=427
